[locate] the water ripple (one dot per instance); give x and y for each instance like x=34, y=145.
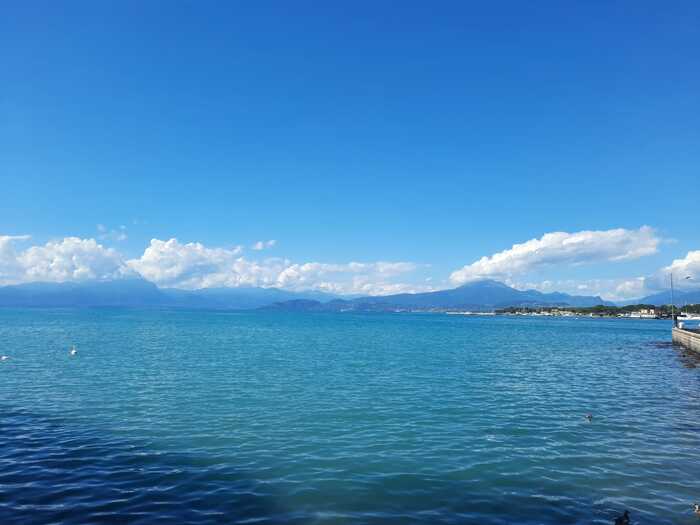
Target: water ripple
x=194, y=417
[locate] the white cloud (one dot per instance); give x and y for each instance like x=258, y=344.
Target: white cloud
x=688, y=267
x=686, y=273
x=608, y=289
x=170, y=263
x=193, y=266
x=116, y=234
x=264, y=245
x=10, y=267
x=375, y=278
x=69, y=259
x=561, y=248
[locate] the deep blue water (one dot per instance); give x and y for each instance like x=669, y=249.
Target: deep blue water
x=212, y=417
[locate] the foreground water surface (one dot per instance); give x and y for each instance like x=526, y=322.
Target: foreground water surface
x=215, y=417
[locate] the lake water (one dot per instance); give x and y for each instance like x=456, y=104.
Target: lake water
x=215, y=417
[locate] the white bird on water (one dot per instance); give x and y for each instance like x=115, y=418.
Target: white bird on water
x=4, y=357
x=73, y=350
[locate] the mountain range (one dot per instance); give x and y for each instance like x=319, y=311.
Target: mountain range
x=478, y=296
x=141, y=293
x=679, y=297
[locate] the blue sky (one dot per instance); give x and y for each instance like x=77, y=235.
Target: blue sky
x=434, y=134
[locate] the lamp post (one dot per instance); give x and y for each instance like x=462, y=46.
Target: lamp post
x=673, y=306
x=687, y=278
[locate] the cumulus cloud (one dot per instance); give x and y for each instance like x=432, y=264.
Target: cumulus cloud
x=375, y=278
x=264, y=245
x=686, y=276
x=628, y=289
x=686, y=273
x=192, y=266
x=689, y=266
x=561, y=248
x=170, y=263
x=608, y=289
x=10, y=267
x=69, y=259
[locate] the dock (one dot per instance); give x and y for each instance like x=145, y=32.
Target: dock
x=687, y=338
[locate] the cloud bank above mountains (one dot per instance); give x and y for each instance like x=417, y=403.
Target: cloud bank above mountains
x=686, y=274
x=193, y=266
x=173, y=264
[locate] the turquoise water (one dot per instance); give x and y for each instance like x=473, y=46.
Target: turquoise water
x=213, y=417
